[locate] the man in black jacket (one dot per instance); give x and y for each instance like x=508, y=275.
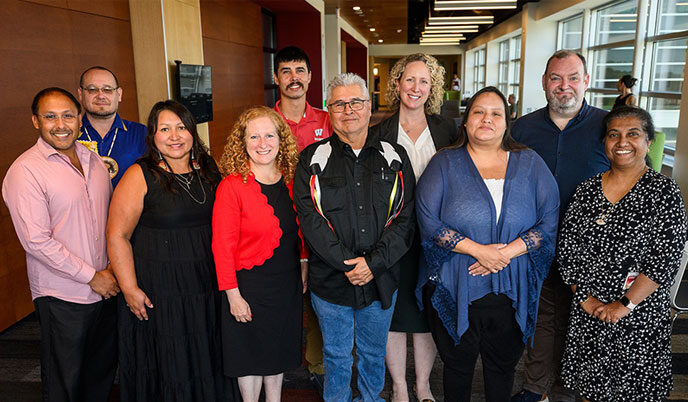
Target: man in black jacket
x=354, y=196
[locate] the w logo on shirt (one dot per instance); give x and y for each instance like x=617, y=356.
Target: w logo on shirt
x=318, y=132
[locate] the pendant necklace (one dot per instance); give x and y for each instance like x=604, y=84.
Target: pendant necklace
x=110, y=163
x=606, y=212
x=185, y=184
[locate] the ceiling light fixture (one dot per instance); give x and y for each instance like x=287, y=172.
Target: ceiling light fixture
x=449, y=27
x=461, y=20
x=356, y=8
x=435, y=40
x=466, y=29
x=399, y=30
x=440, y=44
x=427, y=36
x=446, y=5
x=372, y=29
x=380, y=41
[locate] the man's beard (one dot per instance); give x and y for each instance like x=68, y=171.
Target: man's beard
x=100, y=114
x=564, y=107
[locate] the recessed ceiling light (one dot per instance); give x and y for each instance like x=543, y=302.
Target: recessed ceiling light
x=398, y=30
x=356, y=8
x=380, y=41
x=372, y=29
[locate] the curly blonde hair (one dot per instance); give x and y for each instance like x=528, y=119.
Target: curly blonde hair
x=235, y=159
x=434, y=102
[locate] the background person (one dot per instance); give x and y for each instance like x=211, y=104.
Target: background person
x=619, y=250
x=159, y=242
x=624, y=86
x=256, y=243
x=414, y=91
x=119, y=142
x=309, y=125
x=487, y=211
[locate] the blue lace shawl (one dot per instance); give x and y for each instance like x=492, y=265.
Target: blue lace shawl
x=452, y=203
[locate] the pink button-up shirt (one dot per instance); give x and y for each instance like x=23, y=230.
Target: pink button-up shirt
x=60, y=218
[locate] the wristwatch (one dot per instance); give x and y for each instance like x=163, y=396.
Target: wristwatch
x=626, y=302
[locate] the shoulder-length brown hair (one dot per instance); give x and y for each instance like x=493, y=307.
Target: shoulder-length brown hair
x=235, y=159
x=508, y=142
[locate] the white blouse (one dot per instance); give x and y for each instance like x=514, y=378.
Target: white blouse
x=419, y=152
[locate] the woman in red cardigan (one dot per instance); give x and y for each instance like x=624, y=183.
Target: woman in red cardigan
x=257, y=246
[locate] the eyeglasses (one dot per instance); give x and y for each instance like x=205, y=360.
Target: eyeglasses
x=52, y=117
x=91, y=90
x=355, y=104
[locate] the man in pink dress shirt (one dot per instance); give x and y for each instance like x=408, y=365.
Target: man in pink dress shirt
x=58, y=194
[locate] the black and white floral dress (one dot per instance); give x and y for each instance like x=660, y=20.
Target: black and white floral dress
x=644, y=232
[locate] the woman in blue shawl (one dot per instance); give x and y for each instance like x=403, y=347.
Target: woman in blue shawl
x=487, y=210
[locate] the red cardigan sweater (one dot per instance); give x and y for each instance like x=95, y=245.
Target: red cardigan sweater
x=245, y=228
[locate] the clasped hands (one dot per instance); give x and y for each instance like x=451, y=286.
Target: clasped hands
x=492, y=258
x=104, y=283
x=611, y=312
x=361, y=273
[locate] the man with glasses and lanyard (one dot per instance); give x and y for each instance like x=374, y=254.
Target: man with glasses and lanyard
x=119, y=142
x=354, y=195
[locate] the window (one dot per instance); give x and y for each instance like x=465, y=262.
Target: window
x=270, y=89
x=478, y=69
x=665, y=55
x=571, y=33
x=672, y=17
x=611, y=54
x=509, y=65
x=615, y=23
x=503, y=81
x=514, y=66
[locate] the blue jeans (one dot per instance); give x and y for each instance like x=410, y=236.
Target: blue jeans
x=341, y=326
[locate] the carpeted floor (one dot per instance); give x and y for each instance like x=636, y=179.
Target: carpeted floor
x=20, y=369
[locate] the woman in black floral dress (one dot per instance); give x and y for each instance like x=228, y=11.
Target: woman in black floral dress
x=620, y=246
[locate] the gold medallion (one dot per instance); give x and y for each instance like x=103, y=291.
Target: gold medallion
x=92, y=145
x=112, y=166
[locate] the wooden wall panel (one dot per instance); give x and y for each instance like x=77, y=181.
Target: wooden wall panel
x=48, y=43
x=232, y=45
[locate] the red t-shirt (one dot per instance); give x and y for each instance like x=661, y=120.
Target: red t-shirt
x=313, y=127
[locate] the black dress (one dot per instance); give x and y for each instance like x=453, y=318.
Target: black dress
x=620, y=101
x=176, y=354
x=643, y=232
x=271, y=342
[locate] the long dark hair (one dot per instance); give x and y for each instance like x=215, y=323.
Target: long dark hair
x=208, y=172
x=508, y=142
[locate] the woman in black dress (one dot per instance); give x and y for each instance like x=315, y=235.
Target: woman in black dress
x=414, y=90
x=256, y=243
x=619, y=249
x=159, y=242
x=624, y=86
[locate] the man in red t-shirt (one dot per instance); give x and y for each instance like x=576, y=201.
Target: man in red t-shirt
x=309, y=125
x=293, y=74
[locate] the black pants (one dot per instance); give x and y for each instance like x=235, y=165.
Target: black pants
x=78, y=349
x=493, y=333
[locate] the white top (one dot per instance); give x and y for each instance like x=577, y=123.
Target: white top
x=496, y=189
x=419, y=152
